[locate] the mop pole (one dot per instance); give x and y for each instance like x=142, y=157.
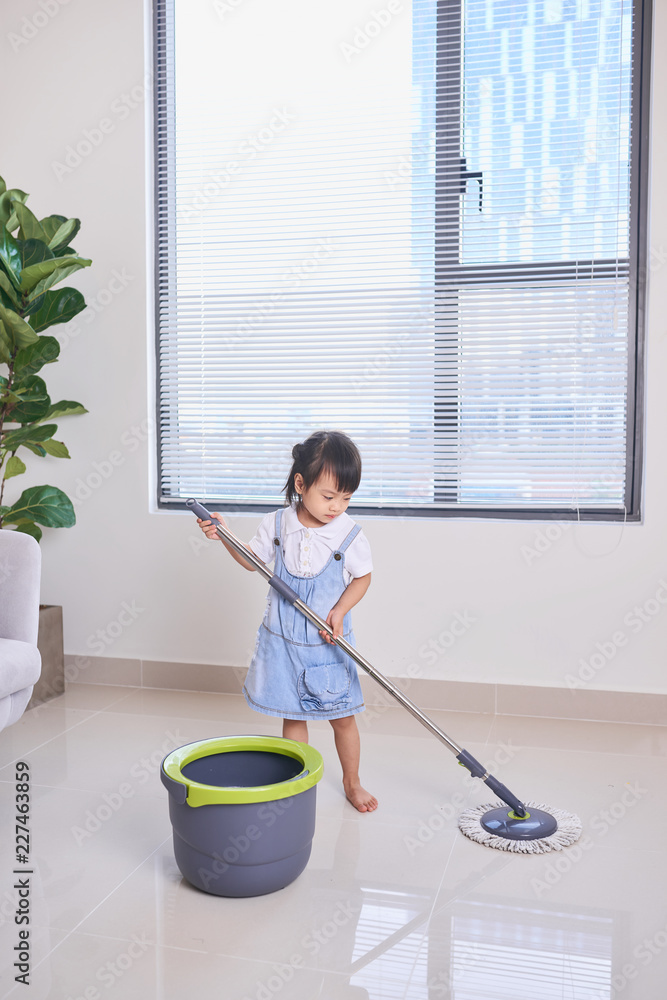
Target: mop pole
x=464, y=758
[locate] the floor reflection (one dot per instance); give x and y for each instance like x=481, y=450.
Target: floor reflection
x=478, y=949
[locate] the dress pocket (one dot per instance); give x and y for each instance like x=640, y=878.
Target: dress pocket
x=324, y=688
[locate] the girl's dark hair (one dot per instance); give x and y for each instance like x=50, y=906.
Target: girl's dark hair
x=325, y=451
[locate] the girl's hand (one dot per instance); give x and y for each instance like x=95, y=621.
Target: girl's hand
x=352, y=594
x=335, y=621
x=208, y=527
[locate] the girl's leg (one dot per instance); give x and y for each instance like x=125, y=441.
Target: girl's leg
x=346, y=736
x=295, y=729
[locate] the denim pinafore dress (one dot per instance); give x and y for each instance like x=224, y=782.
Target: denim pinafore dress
x=294, y=673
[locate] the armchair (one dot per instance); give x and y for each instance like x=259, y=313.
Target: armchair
x=20, y=661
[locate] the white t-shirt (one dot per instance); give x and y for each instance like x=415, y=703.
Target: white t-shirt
x=306, y=550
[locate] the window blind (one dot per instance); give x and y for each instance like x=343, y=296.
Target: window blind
x=561, y=954
x=415, y=221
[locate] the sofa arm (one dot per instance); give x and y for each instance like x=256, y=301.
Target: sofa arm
x=20, y=665
x=20, y=568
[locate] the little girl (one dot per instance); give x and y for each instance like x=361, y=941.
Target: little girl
x=297, y=672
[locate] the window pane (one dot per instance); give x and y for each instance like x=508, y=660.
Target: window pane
x=547, y=121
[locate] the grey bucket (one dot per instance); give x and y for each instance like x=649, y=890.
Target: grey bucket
x=242, y=809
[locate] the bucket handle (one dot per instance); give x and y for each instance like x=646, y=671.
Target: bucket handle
x=175, y=788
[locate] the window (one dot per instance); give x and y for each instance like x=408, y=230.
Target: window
x=418, y=222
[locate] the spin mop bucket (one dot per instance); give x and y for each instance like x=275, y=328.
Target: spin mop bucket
x=242, y=810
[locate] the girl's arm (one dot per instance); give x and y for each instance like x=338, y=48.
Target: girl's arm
x=347, y=600
x=209, y=530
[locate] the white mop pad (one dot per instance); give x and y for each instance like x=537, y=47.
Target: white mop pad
x=569, y=830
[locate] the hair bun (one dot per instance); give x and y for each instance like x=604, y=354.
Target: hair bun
x=297, y=452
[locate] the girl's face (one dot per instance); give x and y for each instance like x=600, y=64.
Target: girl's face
x=321, y=502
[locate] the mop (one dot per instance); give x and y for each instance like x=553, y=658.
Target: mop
x=530, y=828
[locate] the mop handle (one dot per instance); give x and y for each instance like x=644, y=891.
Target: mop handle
x=464, y=758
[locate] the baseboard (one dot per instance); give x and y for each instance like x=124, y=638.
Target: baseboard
x=585, y=704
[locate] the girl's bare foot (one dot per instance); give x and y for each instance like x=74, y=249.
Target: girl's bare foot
x=359, y=797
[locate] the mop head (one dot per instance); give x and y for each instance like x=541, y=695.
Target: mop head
x=569, y=830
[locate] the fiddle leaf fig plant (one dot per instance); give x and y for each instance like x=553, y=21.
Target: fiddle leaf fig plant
x=35, y=255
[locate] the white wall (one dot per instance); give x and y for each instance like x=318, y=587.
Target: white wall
x=534, y=619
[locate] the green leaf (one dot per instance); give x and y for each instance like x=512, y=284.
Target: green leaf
x=11, y=440
x=51, y=224
x=10, y=255
x=45, y=504
x=18, y=329
x=64, y=408
x=32, y=275
x=56, y=448
x=51, y=279
x=30, y=359
x=6, y=399
x=29, y=528
x=57, y=307
x=36, y=449
x=6, y=345
x=14, y=467
x=30, y=227
x=10, y=291
x=34, y=252
x=64, y=235
x=34, y=403
x=7, y=204
x=3, y=186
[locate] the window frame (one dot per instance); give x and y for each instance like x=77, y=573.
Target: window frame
x=638, y=269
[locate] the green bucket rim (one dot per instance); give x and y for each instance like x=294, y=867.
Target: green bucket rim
x=209, y=795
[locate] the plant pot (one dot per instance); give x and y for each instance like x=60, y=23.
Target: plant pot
x=51, y=682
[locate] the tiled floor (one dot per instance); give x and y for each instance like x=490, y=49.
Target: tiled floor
x=395, y=904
